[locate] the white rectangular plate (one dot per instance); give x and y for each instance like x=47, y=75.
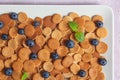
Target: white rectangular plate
x=90, y=10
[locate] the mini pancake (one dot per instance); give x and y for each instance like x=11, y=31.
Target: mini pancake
x=63, y=26
x=58, y=64
x=97, y=18
x=85, y=44
x=77, y=57
x=29, y=30
x=87, y=57
x=102, y=47
x=37, y=62
x=67, y=19
x=81, y=51
x=90, y=50
x=53, y=43
x=40, y=40
x=16, y=75
x=44, y=55
x=24, y=53
x=96, y=54
x=17, y=66
x=56, y=34
x=75, y=49
x=74, y=68
x=37, y=76
x=35, y=48
x=91, y=36
x=73, y=15
x=13, y=32
x=79, y=21
x=8, y=63
x=93, y=73
x=62, y=51
x=22, y=17
x=7, y=52
x=89, y=26
x=86, y=18
x=47, y=22
x=13, y=44
x=56, y=18
x=98, y=67
x=101, y=32
x=47, y=31
x=48, y=66
x=94, y=62
x=67, y=61
x=84, y=65
x=29, y=66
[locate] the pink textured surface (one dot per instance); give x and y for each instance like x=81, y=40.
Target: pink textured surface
x=115, y=4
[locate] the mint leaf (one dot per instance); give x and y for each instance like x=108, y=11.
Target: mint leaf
x=24, y=76
x=79, y=36
x=73, y=26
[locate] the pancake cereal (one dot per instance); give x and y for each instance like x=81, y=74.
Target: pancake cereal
x=22, y=17
x=48, y=49
x=56, y=18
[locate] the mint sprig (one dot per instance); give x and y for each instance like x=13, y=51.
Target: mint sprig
x=24, y=76
x=79, y=36
x=73, y=26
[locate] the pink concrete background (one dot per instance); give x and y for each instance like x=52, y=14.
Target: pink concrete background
x=115, y=4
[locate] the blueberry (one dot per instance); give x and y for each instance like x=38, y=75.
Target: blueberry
x=102, y=61
x=99, y=24
x=82, y=73
x=45, y=74
x=21, y=31
x=13, y=15
x=70, y=44
x=54, y=56
x=36, y=23
x=1, y=24
x=8, y=71
x=94, y=42
x=4, y=36
x=30, y=43
x=33, y=56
